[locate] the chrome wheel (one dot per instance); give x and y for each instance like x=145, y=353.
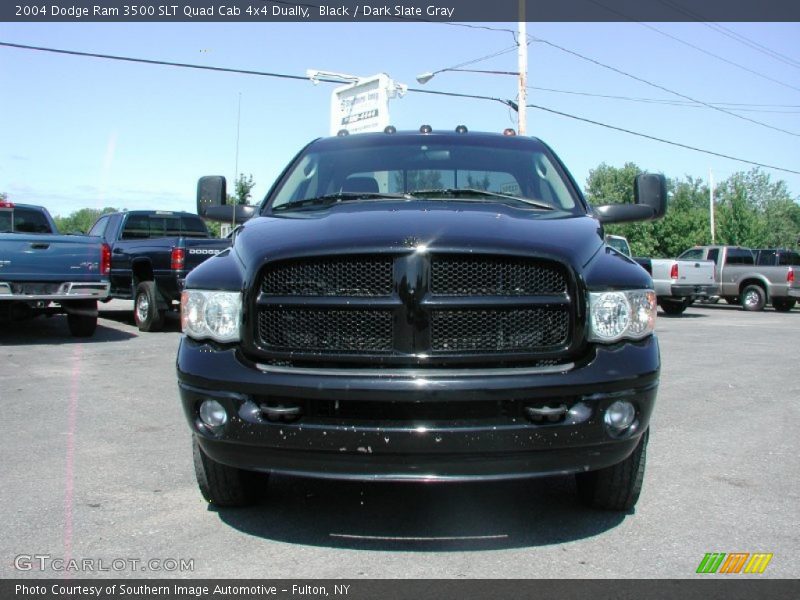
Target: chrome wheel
x=142, y=308
x=752, y=299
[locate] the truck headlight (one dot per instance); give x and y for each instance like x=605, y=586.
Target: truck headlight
x=214, y=315
x=624, y=314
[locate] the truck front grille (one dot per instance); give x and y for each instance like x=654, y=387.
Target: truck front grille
x=330, y=277
x=326, y=330
x=499, y=330
x=495, y=276
x=415, y=308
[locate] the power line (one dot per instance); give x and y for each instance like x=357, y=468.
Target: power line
x=662, y=140
x=481, y=59
x=733, y=35
x=682, y=103
x=695, y=47
x=155, y=62
x=414, y=90
x=660, y=87
x=754, y=45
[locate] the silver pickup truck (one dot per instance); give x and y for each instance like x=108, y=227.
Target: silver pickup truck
x=677, y=282
x=742, y=281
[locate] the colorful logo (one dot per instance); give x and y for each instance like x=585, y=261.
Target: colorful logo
x=735, y=562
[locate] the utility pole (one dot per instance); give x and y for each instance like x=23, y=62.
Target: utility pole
x=236, y=167
x=711, y=203
x=522, y=51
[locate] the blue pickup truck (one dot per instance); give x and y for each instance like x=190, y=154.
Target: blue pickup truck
x=152, y=251
x=42, y=272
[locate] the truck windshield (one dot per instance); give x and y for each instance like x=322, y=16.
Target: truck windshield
x=436, y=170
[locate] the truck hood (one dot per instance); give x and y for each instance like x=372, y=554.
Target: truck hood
x=396, y=226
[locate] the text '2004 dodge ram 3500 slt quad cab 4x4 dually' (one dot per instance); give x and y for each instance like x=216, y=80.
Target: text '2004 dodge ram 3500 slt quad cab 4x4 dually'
x=422, y=306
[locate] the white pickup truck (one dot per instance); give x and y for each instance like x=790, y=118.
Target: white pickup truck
x=677, y=282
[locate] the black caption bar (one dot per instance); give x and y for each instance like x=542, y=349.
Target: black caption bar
x=386, y=589
x=408, y=10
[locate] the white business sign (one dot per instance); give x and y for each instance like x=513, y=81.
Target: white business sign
x=363, y=106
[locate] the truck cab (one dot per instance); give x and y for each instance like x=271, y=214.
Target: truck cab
x=427, y=306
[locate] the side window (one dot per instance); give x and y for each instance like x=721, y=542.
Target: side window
x=137, y=227
x=766, y=257
x=713, y=255
x=99, y=228
x=738, y=256
x=789, y=259
x=5, y=221
x=30, y=221
x=693, y=254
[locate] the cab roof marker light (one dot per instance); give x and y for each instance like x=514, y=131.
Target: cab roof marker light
x=390, y=129
x=342, y=133
x=509, y=131
x=426, y=129
x=462, y=129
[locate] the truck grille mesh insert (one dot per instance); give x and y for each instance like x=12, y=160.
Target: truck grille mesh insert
x=495, y=276
x=499, y=331
x=330, y=277
x=326, y=330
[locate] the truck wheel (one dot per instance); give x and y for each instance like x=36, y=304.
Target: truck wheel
x=83, y=321
x=616, y=487
x=673, y=307
x=146, y=313
x=783, y=304
x=753, y=298
x=220, y=484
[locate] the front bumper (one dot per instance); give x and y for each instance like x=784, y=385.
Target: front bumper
x=500, y=445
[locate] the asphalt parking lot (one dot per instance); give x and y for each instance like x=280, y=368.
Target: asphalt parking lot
x=97, y=465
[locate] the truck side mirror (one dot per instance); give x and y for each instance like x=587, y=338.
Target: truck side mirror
x=650, y=197
x=651, y=190
x=210, y=192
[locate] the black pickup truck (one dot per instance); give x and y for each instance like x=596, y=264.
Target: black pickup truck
x=422, y=306
x=151, y=253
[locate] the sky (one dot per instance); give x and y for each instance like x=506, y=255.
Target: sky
x=81, y=132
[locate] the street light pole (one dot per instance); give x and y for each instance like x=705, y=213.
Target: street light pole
x=522, y=51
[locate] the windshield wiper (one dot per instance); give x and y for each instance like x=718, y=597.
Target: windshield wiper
x=329, y=199
x=472, y=192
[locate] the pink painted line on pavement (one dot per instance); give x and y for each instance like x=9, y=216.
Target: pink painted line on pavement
x=69, y=474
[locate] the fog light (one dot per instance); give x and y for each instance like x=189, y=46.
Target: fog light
x=620, y=416
x=213, y=414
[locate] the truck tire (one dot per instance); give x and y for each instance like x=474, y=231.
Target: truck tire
x=754, y=298
x=220, y=484
x=83, y=321
x=616, y=487
x=673, y=307
x=146, y=313
x=783, y=304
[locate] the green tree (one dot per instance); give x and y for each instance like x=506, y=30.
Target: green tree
x=81, y=220
x=686, y=222
x=243, y=188
x=614, y=185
